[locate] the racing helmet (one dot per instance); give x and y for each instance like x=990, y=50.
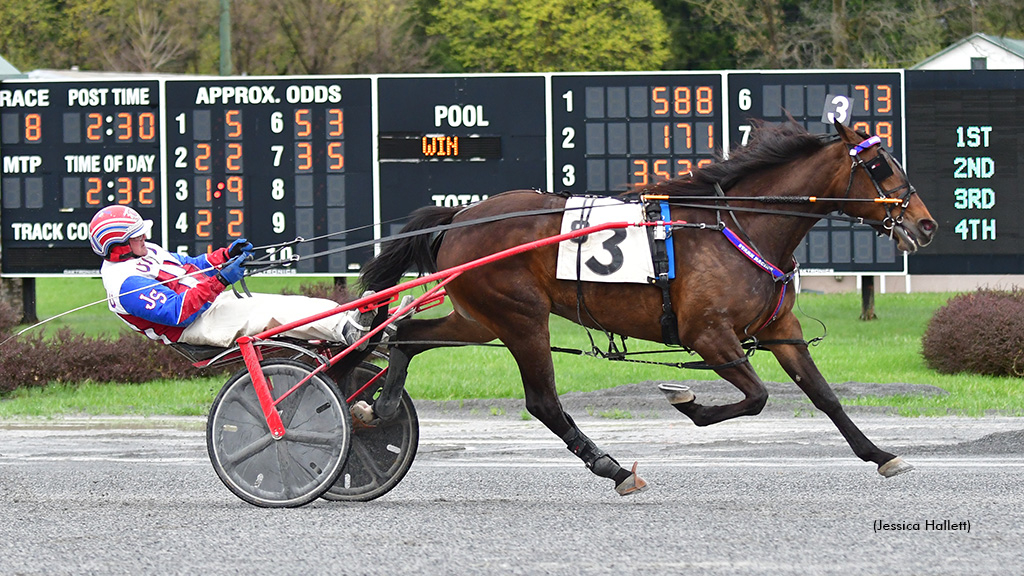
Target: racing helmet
x=114, y=225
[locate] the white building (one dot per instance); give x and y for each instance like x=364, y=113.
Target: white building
x=978, y=51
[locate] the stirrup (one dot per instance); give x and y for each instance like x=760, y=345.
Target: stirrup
x=364, y=320
x=406, y=300
x=352, y=332
x=390, y=329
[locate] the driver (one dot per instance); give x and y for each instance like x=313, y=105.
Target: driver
x=177, y=298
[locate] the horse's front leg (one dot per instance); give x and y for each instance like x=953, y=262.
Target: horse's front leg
x=796, y=361
x=721, y=348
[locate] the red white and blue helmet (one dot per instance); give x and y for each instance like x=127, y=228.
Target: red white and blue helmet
x=114, y=225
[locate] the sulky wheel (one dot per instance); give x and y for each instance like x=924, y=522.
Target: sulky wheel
x=381, y=452
x=299, y=467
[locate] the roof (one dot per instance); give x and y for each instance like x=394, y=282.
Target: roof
x=1012, y=46
x=6, y=69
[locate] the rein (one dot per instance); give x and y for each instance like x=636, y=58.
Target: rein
x=261, y=264
x=877, y=170
x=796, y=200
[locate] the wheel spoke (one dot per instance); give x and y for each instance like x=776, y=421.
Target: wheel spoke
x=330, y=438
x=284, y=461
x=306, y=388
x=294, y=401
x=251, y=404
x=358, y=450
x=254, y=448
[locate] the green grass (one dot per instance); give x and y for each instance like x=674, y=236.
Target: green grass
x=887, y=350
x=161, y=398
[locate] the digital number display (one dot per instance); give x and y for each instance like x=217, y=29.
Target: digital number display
x=872, y=105
x=68, y=150
x=344, y=159
x=270, y=160
x=453, y=140
x=965, y=129
x=438, y=147
x=612, y=132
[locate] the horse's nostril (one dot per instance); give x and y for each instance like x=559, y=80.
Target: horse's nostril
x=927, y=225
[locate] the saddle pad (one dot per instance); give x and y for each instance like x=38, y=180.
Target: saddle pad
x=620, y=255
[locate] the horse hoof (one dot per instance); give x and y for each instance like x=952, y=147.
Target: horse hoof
x=631, y=485
x=894, y=467
x=362, y=412
x=676, y=393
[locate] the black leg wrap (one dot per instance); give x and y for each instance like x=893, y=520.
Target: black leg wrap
x=595, y=459
x=386, y=405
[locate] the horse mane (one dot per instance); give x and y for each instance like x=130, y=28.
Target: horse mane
x=770, y=145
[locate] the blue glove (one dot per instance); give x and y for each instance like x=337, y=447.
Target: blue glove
x=240, y=247
x=232, y=271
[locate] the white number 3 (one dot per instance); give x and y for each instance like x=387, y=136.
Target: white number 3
x=838, y=109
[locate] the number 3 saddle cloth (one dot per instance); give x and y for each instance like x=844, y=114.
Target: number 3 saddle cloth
x=619, y=255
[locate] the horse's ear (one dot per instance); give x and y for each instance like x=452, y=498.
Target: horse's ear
x=848, y=135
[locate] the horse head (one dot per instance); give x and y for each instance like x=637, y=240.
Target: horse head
x=898, y=210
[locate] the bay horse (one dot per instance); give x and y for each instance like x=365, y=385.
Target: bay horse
x=717, y=296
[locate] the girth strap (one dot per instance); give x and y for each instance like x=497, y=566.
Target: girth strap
x=663, y=257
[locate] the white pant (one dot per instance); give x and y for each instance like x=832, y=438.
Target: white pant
x=230, y=317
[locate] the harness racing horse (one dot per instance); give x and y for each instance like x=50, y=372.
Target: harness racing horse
x=719, y=297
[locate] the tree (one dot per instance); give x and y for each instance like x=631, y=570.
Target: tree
x=327, y=37
x=867, y=34
x=33, y=34
x=24, y=20
x=258, y=45
x=766, y=31
x=385, y=39
x=133, y=36
x=314, y=29
x=181, y=36
x=120, y=35
x=996, y=17
x=696, y=41
x=378, y=36
x=550, y=35
x=829, y=33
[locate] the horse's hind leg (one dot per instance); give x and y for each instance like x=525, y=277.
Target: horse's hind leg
x=521, y=323
x=435, y=332
x=533, y=356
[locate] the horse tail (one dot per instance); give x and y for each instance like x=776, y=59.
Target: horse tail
x=397, y=257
